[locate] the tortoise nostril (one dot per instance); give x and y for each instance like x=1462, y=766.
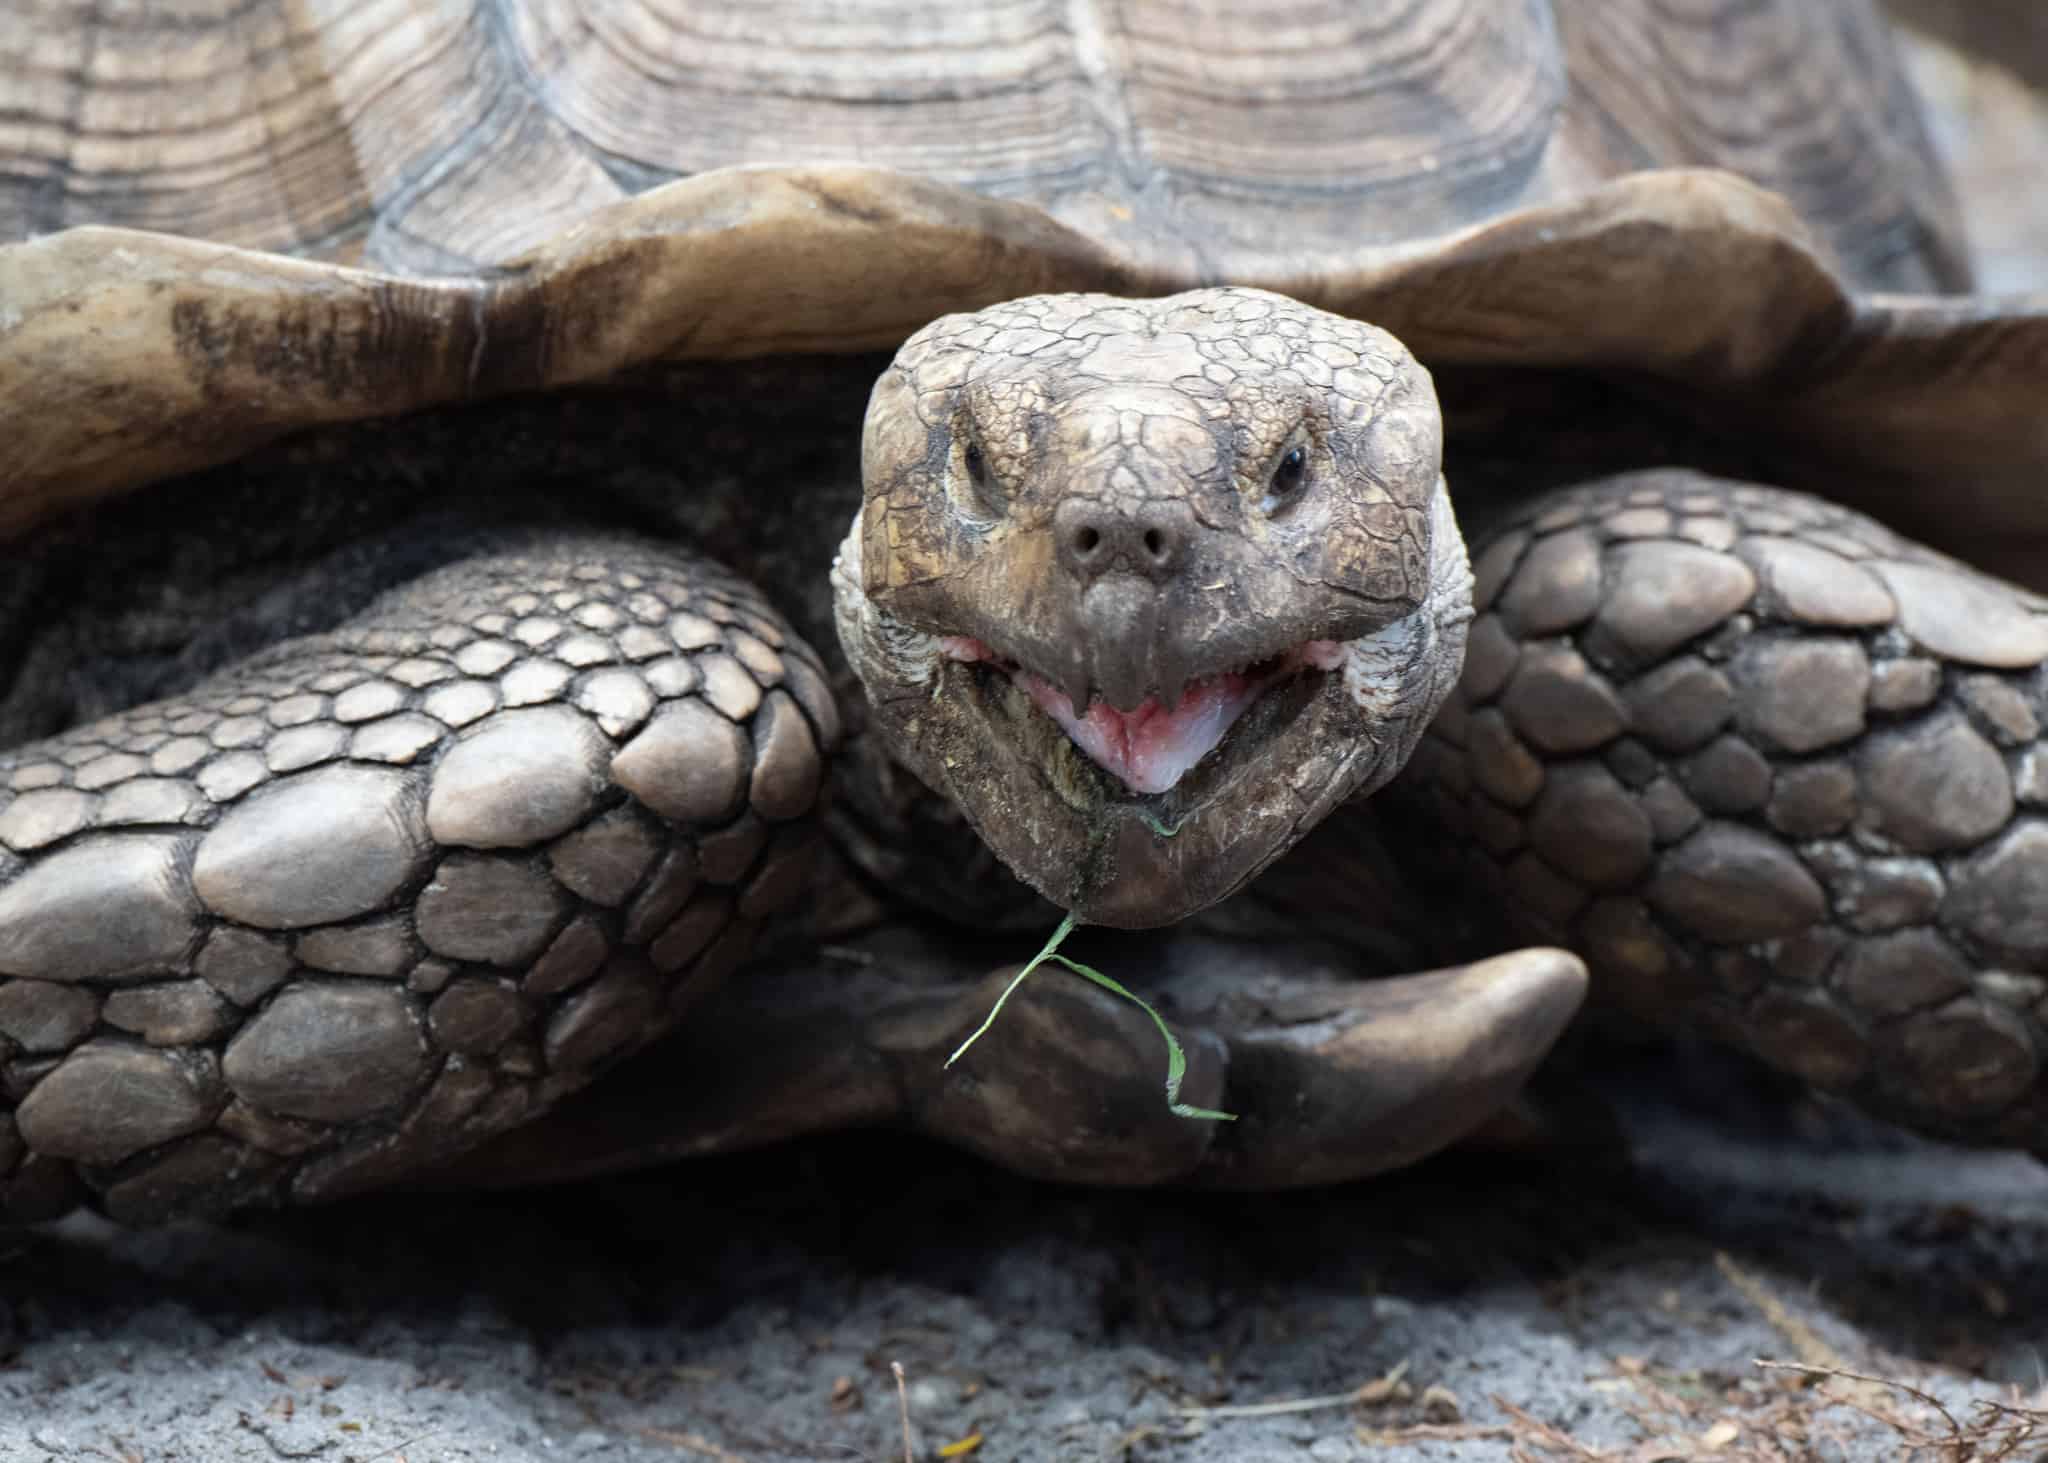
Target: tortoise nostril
x=1094, y=539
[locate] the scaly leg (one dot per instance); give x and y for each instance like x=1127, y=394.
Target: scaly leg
x=380, y=893
x=1331, y=1077
x=1777, y=774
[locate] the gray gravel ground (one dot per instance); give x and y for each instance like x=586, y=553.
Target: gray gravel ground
x=750, y=1307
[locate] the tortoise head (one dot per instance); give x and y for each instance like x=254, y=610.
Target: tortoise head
x=1147, y=587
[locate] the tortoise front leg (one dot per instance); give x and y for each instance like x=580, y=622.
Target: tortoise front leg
x=377, y=894
x=1779, y=776
x=1331, y=1077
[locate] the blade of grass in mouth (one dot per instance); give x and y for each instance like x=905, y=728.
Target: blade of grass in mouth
x=1176, y=1057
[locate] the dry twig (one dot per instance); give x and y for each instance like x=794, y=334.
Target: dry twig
x=1368, y=1394
x=903, y=1406
x=690, y=1443
x=1995, y=1430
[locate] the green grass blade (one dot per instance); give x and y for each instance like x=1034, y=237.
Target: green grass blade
x=1058, y=936
x=1176, y=1059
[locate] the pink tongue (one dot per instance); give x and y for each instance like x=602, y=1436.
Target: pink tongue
x=1149, y=748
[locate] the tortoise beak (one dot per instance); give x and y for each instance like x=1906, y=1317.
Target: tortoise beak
x=1125, y=645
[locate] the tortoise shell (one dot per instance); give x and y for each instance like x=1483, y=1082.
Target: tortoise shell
x=1259, y=144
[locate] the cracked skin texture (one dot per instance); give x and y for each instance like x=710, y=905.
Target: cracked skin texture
x=1094, y=489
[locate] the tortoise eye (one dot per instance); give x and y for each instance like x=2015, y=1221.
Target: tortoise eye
x=1289, y=474
x=981, y=496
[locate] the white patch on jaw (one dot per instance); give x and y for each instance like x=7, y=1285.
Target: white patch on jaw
x=911, y=656
x=1401, y=672
x=1377, y=666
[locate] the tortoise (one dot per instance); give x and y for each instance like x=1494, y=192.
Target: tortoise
x=479, y=578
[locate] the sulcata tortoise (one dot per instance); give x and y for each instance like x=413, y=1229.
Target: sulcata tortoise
x=461, y=505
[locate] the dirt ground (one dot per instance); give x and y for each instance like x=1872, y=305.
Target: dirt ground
x=1572, y=1307
x=1611, y=1305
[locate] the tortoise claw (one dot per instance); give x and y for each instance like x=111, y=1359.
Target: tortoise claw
x=1332, y=1078
x=1341, y=1082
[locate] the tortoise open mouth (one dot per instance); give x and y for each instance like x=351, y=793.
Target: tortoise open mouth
x=1149, y=748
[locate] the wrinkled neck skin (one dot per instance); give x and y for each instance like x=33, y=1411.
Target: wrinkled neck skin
x=1148, y=588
